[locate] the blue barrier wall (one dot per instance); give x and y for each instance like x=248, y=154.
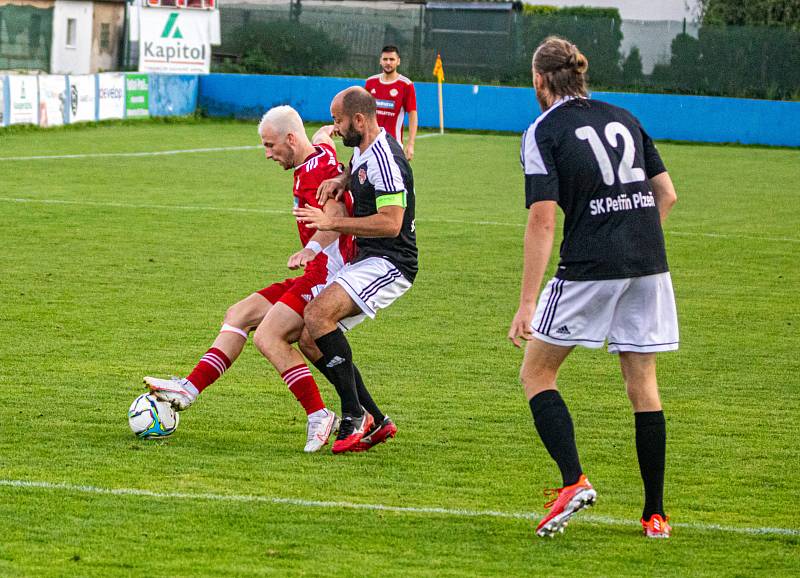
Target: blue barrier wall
x=692, y=118
x=172, y=95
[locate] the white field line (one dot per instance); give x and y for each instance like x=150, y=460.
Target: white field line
x=139, y=154
x=149, y=153
x=450, y=512
x=284, y=212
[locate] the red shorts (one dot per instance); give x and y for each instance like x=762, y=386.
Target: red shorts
x=296, y=292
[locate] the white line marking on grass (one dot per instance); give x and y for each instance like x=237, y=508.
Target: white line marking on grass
x=149, y=153
x=146, y=206
x=139, y=154
x=284, y=212
x=452, y=512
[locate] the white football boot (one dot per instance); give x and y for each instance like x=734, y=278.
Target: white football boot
x=321, y=424
x=178, y=392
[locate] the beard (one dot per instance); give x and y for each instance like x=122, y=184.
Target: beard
x=351, y=137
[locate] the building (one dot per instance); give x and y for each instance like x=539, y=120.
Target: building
x=61, y=36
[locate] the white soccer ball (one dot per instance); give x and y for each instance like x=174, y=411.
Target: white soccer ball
x=151, y=418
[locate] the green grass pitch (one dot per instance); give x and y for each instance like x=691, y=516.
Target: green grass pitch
x=115, y=267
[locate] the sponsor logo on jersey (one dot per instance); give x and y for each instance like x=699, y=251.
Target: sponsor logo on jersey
x=362, y=176
x=386, y=104
x=622, y=203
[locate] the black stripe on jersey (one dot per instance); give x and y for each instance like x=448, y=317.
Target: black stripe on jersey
x=546, y=311
x=555, y=306
x=550, y=308
x=379, y=284
x=372, y=284
x=385, y=167
x=522, y=150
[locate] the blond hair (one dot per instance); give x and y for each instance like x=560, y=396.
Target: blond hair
x=284, y=119
x=562, y=66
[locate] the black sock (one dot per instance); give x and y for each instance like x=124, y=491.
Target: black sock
x=364, y=396
x=651, y=448
x=554, y=424
x=366, y=399
x=338, y=360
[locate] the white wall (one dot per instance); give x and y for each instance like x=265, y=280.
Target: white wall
x=77, y=59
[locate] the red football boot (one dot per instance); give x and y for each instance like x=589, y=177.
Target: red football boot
x=568, y=501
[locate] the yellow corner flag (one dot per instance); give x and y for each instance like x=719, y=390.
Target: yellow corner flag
x=438, y=70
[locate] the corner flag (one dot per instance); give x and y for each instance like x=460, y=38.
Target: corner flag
x=438, y=70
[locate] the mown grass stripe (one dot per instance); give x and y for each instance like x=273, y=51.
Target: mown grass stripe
x=453, y=512
x=419, y=220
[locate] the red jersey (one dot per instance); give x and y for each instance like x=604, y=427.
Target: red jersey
x=393, y=100
x=308, y=176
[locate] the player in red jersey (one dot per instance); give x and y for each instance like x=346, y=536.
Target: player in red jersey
x=276, y=312
x=394, y=96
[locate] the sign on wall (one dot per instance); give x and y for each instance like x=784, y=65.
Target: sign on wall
x=82, y=90
x=175, y=41
x=110, y=96
x=23, y=106
x=137, y=95
x=53, y=103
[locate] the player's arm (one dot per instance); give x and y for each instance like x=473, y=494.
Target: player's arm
x=324, y=136
x=387, y=222
x=320, y=239
x=539, y=235
x=665, y=194
x=660, y=181
x=410, y=105
x=412, y=134
x=333, y=188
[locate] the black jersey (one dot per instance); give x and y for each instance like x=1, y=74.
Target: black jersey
x=381, y=176
x=594, y=159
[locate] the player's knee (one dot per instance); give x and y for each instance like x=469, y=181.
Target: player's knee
x=537, y=378
x=312, y=316
x=263, y=340
x=308, y=346
x=235, y=316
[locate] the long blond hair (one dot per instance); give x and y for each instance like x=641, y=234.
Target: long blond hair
x=562, y=66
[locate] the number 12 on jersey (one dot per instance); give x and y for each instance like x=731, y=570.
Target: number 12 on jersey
x=627, y=172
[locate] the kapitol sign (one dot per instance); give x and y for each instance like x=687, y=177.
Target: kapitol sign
x=174, y=41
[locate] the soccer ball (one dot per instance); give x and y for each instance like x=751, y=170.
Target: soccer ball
x=151, y=418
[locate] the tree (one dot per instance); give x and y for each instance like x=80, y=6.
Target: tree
x=753, y=12
x=632, y=68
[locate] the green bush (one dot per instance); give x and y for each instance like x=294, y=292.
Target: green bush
x=281, y=47
x=595, y=31
x=740, y=61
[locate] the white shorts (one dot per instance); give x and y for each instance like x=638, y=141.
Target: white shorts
x=636, y=314
x=373, y=284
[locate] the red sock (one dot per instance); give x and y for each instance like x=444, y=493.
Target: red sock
x=301, y=383
x=209, y=369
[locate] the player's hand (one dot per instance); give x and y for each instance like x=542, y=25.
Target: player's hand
x=330, y=189
x=409, y=151
x=313, y=217
x=328, y=129
x=521, y=326
x=301, y=259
